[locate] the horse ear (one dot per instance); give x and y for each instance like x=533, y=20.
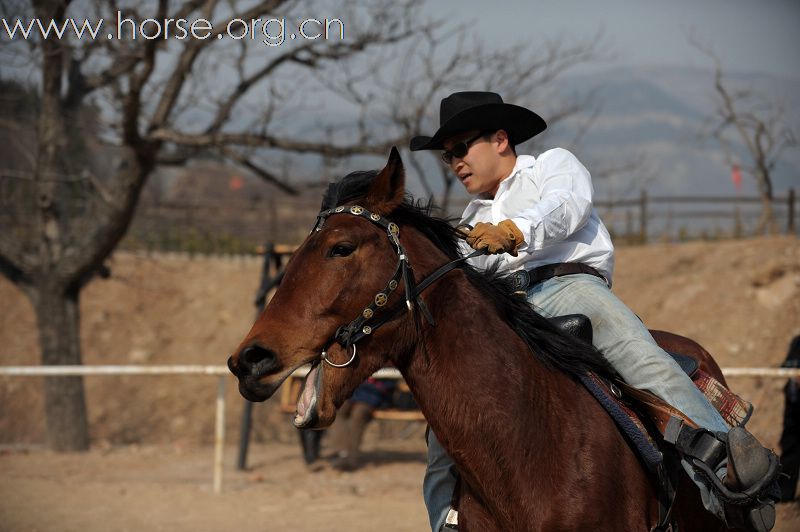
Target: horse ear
x=388, y=188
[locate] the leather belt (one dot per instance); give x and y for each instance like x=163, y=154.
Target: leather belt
x=524, y=279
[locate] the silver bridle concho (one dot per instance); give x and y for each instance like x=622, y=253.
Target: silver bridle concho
x=357, y=329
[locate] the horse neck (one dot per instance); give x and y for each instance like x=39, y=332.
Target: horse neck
x=515, y=429
x=479, y=385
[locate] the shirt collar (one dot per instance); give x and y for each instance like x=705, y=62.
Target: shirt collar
x=523, y=162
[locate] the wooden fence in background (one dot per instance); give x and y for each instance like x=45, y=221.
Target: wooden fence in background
x=220, y=228
x=638, y=215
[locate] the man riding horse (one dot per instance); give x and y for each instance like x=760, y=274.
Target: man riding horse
x=537, y=214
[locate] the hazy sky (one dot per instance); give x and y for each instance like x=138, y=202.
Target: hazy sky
x=749, y=35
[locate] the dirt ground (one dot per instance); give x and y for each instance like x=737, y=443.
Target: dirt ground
x=165, y=489
x=150, y=464
x=162, y=488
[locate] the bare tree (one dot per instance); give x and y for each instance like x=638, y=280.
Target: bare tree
x=156, y=102
x=441, y=61
x=750, y=120
x=111, y=111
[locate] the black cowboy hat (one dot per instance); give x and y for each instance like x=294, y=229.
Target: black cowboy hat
x=484, y=111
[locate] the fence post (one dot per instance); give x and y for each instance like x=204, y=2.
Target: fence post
x=219, y=435
x=629, y=227
x=790, y=215
x=267, y=282
x=643, y=217
x=737, y=222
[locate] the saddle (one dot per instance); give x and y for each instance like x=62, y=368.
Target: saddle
x=733, y=409
x=635, y=411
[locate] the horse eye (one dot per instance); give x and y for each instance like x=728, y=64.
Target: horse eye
x=341, y=250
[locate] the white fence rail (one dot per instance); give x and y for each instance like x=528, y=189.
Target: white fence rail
x=222, y=373
x=65, y=371
x=385, y=373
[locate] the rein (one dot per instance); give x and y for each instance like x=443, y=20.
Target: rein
x=357, y=329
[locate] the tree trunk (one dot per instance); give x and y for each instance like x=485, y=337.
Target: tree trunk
x=53, y=294
x=766, y=223
x=59, y=334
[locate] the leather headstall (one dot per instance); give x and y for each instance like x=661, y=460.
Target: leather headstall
x=362, y=325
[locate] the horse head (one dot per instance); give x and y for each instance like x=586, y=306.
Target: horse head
x=344, y=273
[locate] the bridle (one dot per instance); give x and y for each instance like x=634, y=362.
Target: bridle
x=362, y=326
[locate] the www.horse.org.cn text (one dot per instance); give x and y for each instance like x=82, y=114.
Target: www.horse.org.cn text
x=270, y=31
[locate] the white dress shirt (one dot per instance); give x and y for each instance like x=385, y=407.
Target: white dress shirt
x=550, y=199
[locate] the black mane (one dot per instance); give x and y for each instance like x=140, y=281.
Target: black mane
x=551, y=347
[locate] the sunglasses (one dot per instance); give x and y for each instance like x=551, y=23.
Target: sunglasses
x=460, y=149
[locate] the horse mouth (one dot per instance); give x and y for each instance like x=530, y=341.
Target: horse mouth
x=306, y=413
x=254, y=391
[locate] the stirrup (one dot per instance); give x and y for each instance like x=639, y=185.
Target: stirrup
x=755, y=494
x=700, y=444
x=756, y=518
x=706, y=451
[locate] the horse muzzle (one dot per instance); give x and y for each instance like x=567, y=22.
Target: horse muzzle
x=252, y=364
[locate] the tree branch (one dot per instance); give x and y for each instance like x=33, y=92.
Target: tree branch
x=264, y=140
x=258, y=170
x=15, y=264
x=187, y=58
x=125, y=64
x=133, y=102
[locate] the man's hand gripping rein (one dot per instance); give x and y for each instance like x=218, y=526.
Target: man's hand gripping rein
x=504, y=237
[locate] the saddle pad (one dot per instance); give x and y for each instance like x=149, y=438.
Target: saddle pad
x=628, y=422
x=733, y=409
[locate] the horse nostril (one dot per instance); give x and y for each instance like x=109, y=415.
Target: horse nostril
x=232, y=367
x=256, y=359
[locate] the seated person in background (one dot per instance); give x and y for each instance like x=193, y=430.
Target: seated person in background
x=790, y=439
x=352, y=420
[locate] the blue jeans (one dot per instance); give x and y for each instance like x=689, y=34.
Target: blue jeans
x=439, y=482
x=624, y=341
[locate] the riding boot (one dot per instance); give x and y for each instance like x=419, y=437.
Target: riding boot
x=310, y=442
x=359, y=419
x=740, y=472
x=749, y=466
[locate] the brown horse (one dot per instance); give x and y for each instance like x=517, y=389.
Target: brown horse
x=497, y=383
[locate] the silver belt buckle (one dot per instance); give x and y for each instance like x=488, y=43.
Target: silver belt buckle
x=521, y=280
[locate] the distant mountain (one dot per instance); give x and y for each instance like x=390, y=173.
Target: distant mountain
x=657, y=114
x=640, y=96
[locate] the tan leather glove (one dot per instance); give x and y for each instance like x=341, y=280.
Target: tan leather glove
x=504, y=237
